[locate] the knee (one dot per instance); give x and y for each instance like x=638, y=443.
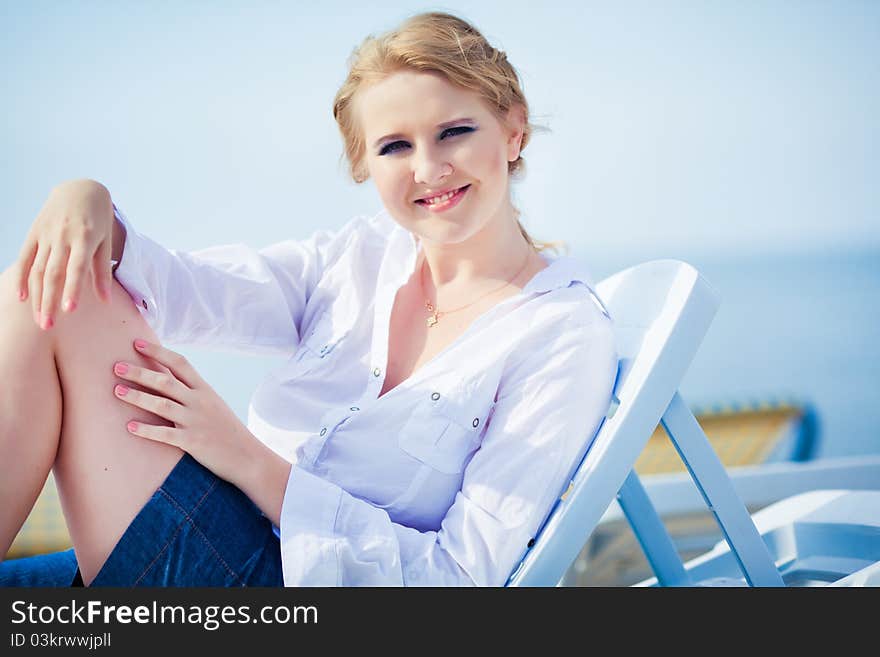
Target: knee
x=8, y=285
x=87, y=301
x=16, y=313
x=93, y=315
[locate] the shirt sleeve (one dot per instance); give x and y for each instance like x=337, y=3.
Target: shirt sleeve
x=231, y=297
x=549, y=407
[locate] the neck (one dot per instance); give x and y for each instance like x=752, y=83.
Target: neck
x=494, y=254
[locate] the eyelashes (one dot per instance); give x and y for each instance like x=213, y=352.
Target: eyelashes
x=394, y=146
x=457, y=130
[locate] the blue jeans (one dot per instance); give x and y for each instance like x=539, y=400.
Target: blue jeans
x=196, y=530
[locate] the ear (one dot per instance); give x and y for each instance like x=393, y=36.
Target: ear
x=516, y=123
x=361, y=173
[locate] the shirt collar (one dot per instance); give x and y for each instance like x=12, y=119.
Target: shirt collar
x=562, y=271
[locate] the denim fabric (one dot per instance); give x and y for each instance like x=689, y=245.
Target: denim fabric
x=55, y=569
x=196, y=530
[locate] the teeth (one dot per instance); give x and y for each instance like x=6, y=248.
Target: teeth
x=439, y=199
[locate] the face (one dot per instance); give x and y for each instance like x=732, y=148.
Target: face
x=438, y=155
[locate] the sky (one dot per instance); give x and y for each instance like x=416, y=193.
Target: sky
x=675, y=129
x=742, y=137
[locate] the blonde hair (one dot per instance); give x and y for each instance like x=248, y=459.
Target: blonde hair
x=439, y=43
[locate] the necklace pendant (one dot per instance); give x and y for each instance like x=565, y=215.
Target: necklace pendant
x=432, y=320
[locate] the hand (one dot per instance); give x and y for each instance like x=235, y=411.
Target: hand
x=204, y=426
x=69, y=241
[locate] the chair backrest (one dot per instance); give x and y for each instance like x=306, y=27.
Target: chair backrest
x=661, y=311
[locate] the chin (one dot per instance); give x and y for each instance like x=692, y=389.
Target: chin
x=450, y=234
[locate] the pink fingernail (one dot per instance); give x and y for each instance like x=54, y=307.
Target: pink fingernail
x=122, y=391
x=132, y=426
x=69, y=305
x=140, y=344
x=121, y=368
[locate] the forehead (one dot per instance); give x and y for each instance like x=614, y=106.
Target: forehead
x=407, y=100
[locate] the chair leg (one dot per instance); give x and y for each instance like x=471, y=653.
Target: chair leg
x=717, y=490
x=651, y=533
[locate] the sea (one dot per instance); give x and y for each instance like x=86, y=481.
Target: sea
x=800, y=328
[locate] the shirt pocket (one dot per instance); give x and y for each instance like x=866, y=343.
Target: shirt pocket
x=442, y=433
x=320, y=343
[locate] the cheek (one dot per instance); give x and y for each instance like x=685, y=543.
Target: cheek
x=388, y=181
x=487, y=158
x=500, y=162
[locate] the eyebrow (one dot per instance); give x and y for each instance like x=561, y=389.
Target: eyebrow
x=441, y=126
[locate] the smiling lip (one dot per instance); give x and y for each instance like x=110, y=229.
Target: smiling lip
x=457, y=195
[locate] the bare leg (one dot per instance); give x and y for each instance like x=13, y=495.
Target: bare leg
x=60, y=411
x=30, y=412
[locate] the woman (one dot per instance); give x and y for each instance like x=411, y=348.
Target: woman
x=444, y=375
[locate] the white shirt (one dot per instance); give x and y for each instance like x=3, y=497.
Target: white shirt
x=444, y=479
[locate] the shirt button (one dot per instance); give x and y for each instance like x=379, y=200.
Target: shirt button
x=476, y=422
x=377, y=372
x=323, y=431
x=354, y=408
x=435, y=396
x=144, y=304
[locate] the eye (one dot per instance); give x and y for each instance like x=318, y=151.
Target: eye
x=458, y=130
x=392, y=147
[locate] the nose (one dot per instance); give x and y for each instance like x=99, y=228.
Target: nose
x=429, y=168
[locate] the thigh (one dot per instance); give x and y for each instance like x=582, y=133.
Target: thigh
x=196, y=530
x=54, y=569
x=104, y=473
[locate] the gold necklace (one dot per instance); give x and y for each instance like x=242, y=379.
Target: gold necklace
x=435, y=315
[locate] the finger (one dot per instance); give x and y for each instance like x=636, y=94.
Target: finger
x=25, y=262
x=167, y=435
x=103, y=275
x=35, y=281
x=76, y=272
x=53, y=284
x=161, y=406
x=164, y=384
x=179, y=366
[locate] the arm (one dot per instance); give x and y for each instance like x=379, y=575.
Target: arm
x=264, y=479
x=549, y=407
x=231, y=296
